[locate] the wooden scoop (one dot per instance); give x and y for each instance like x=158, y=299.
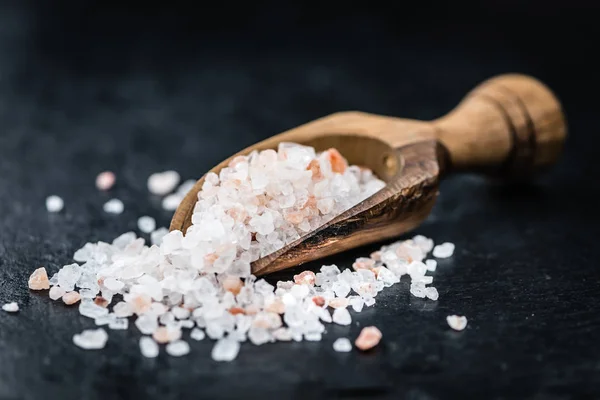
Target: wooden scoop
x=510, y=126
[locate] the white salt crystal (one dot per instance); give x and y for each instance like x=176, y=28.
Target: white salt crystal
x=91, y=339
x=431, y=265
x=369, y=301
x=146, y=224
x=161, y=183
x=147, y=324
x=157, y=236
x=458, y=323
x=171, y=202
x=341, y=316
x=225, y=350
x=416, y=268
x=197, y=334
x=215, y=331
x=387, y=277
x=112, y=284
x=56, y=292
x=341, y=289
x=11, y=307
x=54, y=204
x=180, y=312
x=87, y=308
x=443, y=250
x=342, y=345
x=417, y=290
x=357, y=303
x=119, y=324
x=432, y=293
x=178, y=348
x=123, y=309
x=113, y=206
x=312, y=336
x=148, y=347
x=282, y=334
x=258, y=336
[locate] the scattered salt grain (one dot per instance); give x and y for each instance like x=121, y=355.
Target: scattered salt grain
x=369, y=337
x=443, y=250
x=54, y=204
x=147, y=324
x=341, y=316
x=225, y=350
x=119, y=324
x=11, y=307
x=39, y=280
x=197, y=334
x=113, y=206
x=146, y=224
x=432, y=293
x=105, y=180
x=161, y=183
x=171, y=202
x=178, y=348
x=342, y=345
x=91, y=339
x=148, y=347
x=431, y=265
x=456, y=322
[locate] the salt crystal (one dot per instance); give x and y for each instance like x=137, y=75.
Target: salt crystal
x=342, y=345
x=341, y=316
x=171, y=202
x=225, y=350
x=187, y=323
x=456, y=322
x=443, y=250
x=197, y=334
x=71, y=298
x=105, y=180
x=417, y=291
x=282, y=334
x=113, y=206
x=178, y=348
x=147, y=324
x=161, y=183
x=306, y=277
x=431, y=293
x=165, y=334
x=416, y=268
x=11, y=307
x=157, y=236
x=387, y=277
x=91, y=339
x=54, y=204
x=357, y=303
x=339, y=302
x=259, y=336
x=39, y=280
x=119, y=324
x=180, y=312
x=123, y=309
x=113, y=284
x=146, y=224
x=369, y=337
x=312, y=336
x=341, y=289
x=431, y=265
x=87, y=308
x=148, y=347
x=56, y=292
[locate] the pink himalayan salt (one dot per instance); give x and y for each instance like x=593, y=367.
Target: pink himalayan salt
x=369, y=337
x=376, y=255
x=363, y=263
x=71, y=298
x=339, y=302
x=233, y=284
x=319, y=300
x=101, y=301
x=165, y=334
x=315, y=168
x=276, y=306
x=294, y=217
x=306, y=277
x=236, y=310
x=141, y=303
x=338, y=163
x=105, y=180
x=39, y=280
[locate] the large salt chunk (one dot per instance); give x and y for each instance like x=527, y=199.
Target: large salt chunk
x=341, y=316
x=147, y=324
x=178, y=348
x=342, y=345
x=341, y=289
x=443, y=250
x=68, y=276
x=225, y=349
x=148, y=347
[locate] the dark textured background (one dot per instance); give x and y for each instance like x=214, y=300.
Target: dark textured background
x=89, y=86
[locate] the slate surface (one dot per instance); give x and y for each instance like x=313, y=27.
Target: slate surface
x=81, y=92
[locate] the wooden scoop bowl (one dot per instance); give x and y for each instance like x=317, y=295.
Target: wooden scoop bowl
x=510, y=126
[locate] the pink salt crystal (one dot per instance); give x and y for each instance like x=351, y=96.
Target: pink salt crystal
x=369, y=337
x=141, y=303
x=39, y=280
x=338, y=163
x=101, y=301
x=315, y=168
x=294, y=217
x=236, y=310
x=319, y=300
x=251, y=309
x=276, y=306
x=363, y=263
x=105, y=180
x=306, y=277
x=166, y=334
x=376, y=255
x=233, y=284
x=339, y=302
x=71, y=298
x=210, y=258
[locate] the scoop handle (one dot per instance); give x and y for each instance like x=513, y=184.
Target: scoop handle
x=511, y=125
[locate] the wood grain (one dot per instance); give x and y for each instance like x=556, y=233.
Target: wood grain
x=509, y=126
